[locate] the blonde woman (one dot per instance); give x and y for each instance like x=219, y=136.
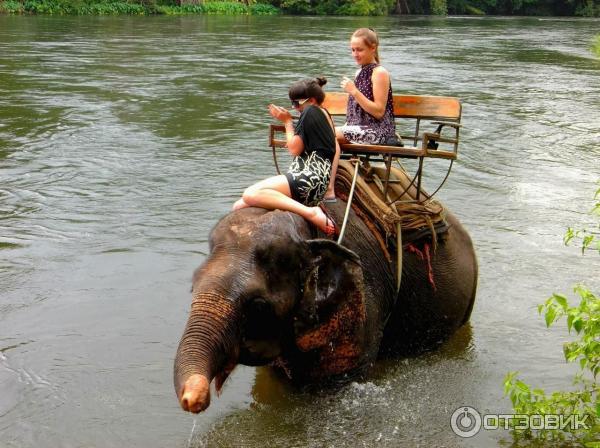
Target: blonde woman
x=370, y=112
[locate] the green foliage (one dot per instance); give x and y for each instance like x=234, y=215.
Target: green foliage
x=141, y=7
x=357, y=8
x=586, y=8
x=263, y=9
x=11, y=7
x=224, y=8
x=584, y=321
x=589, y=238
x=297, y=6
x=339, y=7
x=474, y=11
x=438, y=7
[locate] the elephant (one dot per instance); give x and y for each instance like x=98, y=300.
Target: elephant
x=274, y=291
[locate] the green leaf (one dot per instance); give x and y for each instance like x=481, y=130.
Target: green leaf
x=538, y=393
x=523, y=387
x=571, y=351
x=577, y=324
x=540, y=308
x=561, y=300
x=569, y=235
x=550, y=316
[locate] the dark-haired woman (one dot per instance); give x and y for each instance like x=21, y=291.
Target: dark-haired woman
x=370, y=112
x=313, y=144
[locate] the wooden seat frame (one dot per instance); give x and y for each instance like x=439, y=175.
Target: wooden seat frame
x=438, y=111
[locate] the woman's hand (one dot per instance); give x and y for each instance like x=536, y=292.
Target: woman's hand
x=280, y=113
x=294, y=142
x=380, y=80
x=348, y=86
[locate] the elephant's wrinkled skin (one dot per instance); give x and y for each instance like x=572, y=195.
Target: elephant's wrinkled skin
x=269, y=292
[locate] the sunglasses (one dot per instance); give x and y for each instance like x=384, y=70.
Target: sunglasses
x=298, y=103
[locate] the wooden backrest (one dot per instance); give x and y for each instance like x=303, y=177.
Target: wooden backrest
x=406, y=106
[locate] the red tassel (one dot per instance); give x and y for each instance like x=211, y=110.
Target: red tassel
x=424, y=255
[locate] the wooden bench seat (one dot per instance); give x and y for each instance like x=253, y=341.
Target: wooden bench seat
x=411, y=111
x=429, y=127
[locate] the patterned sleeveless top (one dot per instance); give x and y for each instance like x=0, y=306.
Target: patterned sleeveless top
x=356, y=115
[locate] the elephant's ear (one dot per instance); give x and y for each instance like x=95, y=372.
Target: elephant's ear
x=332, y=309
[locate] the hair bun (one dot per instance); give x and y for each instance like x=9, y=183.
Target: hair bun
x=321, y=80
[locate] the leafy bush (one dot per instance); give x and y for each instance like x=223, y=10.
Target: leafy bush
x=225, y=8
x=297, y=6
x=143, y=7
x=263, y=9
x=587, y=8
x=589, y=238
x=339, y=7
x=358, y=8
x=11, y=7
x=474, y=11
x=438, y=7
x=584, y=320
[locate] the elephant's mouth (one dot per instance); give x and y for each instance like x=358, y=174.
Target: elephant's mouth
x=261, y=333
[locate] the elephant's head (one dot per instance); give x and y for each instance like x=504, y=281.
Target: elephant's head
x=268, y=290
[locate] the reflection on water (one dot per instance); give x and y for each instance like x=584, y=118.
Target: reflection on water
x=124, y=139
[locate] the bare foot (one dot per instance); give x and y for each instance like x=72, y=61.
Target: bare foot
x=239, y=204
x=322, y=221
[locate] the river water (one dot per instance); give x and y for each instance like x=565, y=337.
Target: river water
x=124, y=139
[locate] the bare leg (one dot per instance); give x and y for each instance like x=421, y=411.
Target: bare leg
x=274, y=193
x=330, y=194
x=339, y=135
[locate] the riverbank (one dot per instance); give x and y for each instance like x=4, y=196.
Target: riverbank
x=117, y=7
x=580, y=8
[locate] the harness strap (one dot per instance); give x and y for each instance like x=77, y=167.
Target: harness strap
x=349, y=204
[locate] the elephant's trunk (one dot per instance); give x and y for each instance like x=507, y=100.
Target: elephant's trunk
x=208, y=347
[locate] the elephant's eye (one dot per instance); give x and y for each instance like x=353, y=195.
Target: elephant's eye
x=274, y=259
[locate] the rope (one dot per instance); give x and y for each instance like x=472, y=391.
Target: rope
x=412, y=215
x=348, y=205
x=398, y=256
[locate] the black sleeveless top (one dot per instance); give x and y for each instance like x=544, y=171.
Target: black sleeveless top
x=316, y=132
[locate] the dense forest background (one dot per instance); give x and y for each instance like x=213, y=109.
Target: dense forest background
x=585, y=8
x=582, y=8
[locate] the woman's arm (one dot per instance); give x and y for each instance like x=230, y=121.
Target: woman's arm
x=381, y=85
x=295, y=144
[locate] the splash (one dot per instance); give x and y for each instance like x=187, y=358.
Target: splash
x=192, y=434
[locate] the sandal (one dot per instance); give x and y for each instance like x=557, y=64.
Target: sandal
x=331, y=229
